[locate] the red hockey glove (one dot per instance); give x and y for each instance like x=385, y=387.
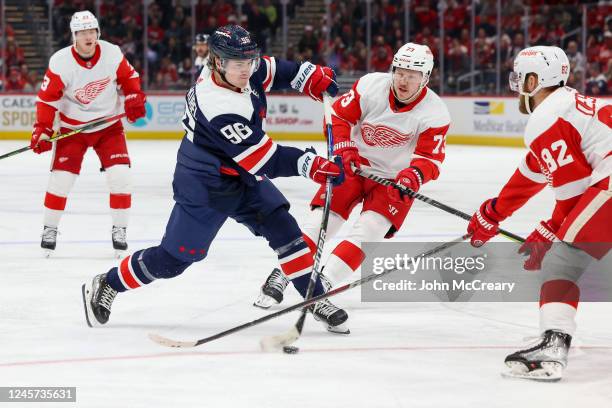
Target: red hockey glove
x=135, y=106
x=350, y=156
x=484, y=224
x=537, y=244
x=314, y=80
x=411, y=178
x=40, y=139
x=318, y=168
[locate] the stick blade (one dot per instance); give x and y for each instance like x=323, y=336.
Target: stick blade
x=164, y=341
x=275, y=343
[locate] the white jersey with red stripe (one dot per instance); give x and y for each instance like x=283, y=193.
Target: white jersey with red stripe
x=391, y=138
x=569, y=136
x=85, y=90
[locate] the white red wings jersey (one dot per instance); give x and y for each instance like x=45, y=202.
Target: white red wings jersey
x=390, y=139
x=569, y=136
x=84, y=90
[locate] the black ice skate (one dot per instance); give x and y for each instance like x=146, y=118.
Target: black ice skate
x=331, y=315
x=119, y=240
x=542, y=362
x=49, y=240
x=98, y=298
x=272, y=290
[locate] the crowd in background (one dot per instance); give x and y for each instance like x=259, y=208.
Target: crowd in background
x=546, y=23
x=169, y=53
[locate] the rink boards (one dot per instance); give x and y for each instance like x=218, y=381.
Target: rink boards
x=484, y=120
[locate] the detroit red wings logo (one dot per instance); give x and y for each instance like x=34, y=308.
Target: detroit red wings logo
x=91, y=91
x=383, y=136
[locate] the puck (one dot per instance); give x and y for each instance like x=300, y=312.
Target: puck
x=290, y=350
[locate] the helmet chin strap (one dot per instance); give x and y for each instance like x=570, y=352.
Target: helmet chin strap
x=526, y=97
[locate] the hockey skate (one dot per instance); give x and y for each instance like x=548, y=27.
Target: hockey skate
x=49, y=240
x=119, y=241
x=543, y=362
x=98, y=298
x=272, y=290
x=331, y=316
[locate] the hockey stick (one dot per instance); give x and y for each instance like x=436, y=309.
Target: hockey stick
x=90, y=125
x=164, y=341
x=425, y=199
x=270, y=343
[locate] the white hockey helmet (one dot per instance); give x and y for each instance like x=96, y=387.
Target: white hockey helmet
x=83, y=20
x=415, y=57
x=549, y=63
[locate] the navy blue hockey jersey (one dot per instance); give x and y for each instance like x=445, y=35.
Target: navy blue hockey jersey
x=224, y=129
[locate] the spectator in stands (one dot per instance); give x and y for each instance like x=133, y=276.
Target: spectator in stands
x=186, y=72
x=129, y=46
x=458, y=61
x=381, y=60
x=308, y=41
x=597, y=83
x=14, y=55
x=605, y=52
x=34, y=81
x=576, y=59
x=15, y=81
x=272, y=14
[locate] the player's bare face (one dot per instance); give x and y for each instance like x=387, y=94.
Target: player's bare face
x=406, y=83
x=85, y=42
x=238, y=72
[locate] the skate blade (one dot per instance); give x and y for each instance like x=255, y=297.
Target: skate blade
x=120, y=253
x=87, y=306
x=47, y=252
x=339, y=329
x=264, y=301
x=550, y=372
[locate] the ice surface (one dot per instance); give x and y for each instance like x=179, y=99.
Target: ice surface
x=397, y=355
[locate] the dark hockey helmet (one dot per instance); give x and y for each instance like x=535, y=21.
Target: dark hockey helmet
x=201, y=38
x=233, y=42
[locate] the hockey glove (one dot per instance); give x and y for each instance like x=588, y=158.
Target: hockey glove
x=350, y=156
x=314, y=80
x=318, y=168
x=411, y=178
x=135, y=106
x=537, y=244
x=40, y=139
x=484, y=224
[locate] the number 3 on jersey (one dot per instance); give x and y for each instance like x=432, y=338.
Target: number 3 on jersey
x=562, y=157
x=237, y=132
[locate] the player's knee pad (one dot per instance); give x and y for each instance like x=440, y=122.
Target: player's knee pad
x=160, y=264
x=61, y=182
x=370, y=225
x=119, y=179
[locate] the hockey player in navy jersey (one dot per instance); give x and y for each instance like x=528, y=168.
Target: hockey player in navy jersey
x=222, y=170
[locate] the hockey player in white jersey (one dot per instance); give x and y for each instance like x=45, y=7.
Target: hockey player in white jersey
x=82, y=84
x=569, y=137
x=395, y=127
